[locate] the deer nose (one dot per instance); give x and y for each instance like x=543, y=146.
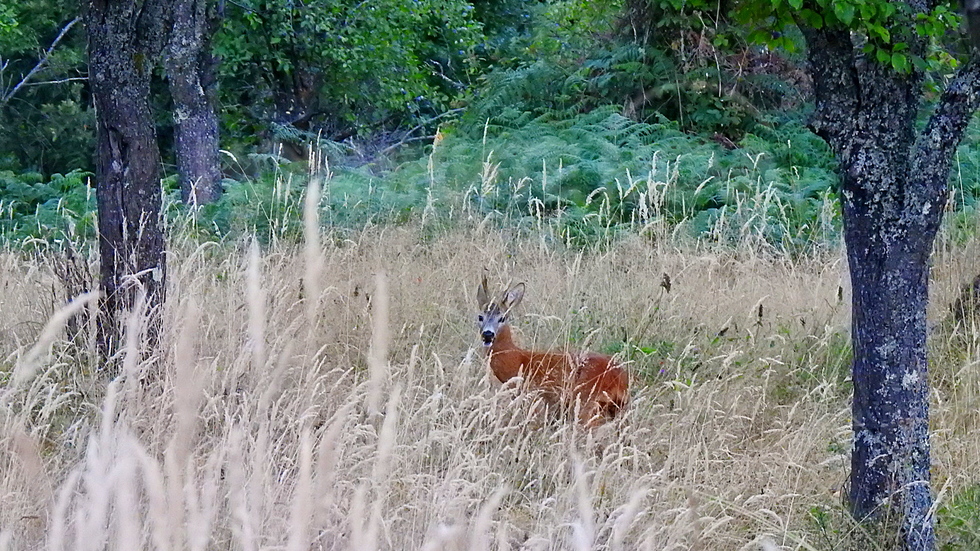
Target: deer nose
x=488, y=337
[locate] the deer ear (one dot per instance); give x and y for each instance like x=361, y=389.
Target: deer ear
x=483, y=294
x=514, y=295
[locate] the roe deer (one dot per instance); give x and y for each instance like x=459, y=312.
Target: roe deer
x=592, y=384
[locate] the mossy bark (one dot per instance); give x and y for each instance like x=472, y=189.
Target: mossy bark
x=190, y=74
x=124, y=38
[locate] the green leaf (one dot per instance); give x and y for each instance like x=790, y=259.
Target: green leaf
x=845, y=12
x=882, y=32
x=883, y=56
x=812, y=18
x=759, y=36
x=900, y=62
x=785, y=43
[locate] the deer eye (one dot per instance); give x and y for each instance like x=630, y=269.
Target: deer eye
x=480, y=318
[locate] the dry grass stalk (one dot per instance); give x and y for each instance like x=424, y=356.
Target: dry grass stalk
x=256, y=431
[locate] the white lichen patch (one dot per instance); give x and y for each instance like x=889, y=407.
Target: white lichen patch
x=910, y=380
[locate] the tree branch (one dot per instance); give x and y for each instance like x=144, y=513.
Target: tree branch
x=402, y=142
x=59, y=81
x=830, y=54
x=949, y=120
x=936, y=145
x=40, y=64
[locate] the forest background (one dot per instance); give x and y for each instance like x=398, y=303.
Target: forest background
x=586, y=93
x=566, y=89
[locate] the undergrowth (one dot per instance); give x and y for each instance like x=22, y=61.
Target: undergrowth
x=593, y=176
x=596, y=175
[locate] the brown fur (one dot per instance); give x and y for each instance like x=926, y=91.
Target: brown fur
x=592, y=384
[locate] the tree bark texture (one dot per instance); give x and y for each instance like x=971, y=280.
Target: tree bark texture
x=190, y=73
x=893, y=194
x=123, y=42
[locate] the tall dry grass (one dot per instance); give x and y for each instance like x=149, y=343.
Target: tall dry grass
x=333, y=396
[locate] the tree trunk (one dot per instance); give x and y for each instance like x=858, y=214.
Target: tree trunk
x=131, y=244
x=190, y=72
x=893, y=196
x=888, y=254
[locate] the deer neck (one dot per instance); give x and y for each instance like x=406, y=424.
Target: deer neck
x=506, y=359
x=503, y=341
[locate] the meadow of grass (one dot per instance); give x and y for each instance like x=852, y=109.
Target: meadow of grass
x=332, y=394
